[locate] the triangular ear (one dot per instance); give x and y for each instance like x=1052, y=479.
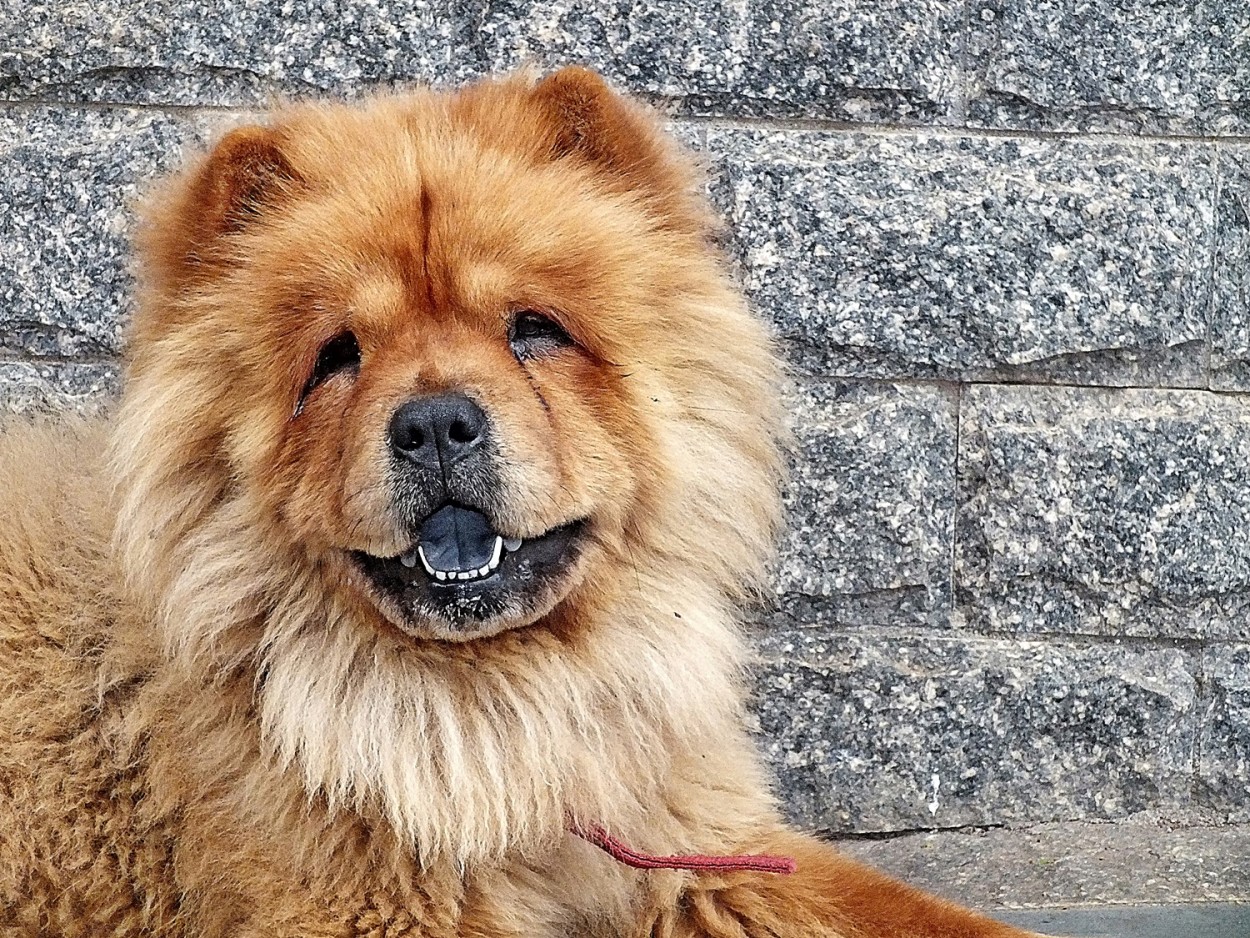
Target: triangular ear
x=620, y=139
x=245, y=175
x=246, y=172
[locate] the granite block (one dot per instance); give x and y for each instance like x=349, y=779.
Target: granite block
x=67, y=180
x=870, y=505
x=1230, y=303
x=29, y=387
x=1170, y=66
x=233, y=52
x=1224, y=762
x=975, y=258
x=853, y=60
x=1103, y=512
x=877, y=731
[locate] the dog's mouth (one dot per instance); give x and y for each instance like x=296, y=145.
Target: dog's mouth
x=457, y=544
x=467, y=578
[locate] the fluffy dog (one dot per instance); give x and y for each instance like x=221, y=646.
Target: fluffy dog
x=445, y=454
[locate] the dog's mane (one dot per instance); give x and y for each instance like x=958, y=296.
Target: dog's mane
x=470, y=751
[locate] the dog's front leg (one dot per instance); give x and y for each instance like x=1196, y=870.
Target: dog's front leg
x=828, y=896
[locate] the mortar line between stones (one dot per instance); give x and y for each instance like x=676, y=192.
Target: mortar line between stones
x=1200, y=702
x=9, y=358
x=1111, y=825
x=947, y=130
x=1019, y=383
x=1176, y=642
x=950, y=383
x=159, y=107
x=1049, y=639
x=860, y=836
x=963, y=90
x=952, y=600
x=1213, y=258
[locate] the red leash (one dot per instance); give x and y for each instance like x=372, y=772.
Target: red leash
x=755, y=863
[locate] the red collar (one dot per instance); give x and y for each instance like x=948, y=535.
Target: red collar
x=757, y=863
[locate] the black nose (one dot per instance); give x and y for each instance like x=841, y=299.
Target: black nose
x=435, y=432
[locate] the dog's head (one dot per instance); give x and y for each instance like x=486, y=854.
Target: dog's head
x=470, y=358
x=446, y=440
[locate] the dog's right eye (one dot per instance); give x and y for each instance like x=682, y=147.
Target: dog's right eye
x=532, y=335
x=342, y=353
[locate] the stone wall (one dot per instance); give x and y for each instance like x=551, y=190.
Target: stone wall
x=1006, y=244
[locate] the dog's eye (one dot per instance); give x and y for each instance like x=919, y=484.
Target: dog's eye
x=342, y=353
x=533, y=335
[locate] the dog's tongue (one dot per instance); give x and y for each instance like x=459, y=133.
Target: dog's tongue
x=455, y=538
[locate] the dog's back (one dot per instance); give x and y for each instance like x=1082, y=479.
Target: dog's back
x=70, y=799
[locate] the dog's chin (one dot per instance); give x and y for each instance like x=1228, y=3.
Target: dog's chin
x=514, y=584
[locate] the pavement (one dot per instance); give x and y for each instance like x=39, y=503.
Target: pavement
x=1205, y=920
x=1147, y=877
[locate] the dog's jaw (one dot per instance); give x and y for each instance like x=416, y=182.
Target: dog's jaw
x=511, y=583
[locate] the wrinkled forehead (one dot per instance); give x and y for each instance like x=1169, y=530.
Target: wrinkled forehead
x=448, y=226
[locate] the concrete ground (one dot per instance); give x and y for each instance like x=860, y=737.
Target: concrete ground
x=1142, y=878
x=1207, y=920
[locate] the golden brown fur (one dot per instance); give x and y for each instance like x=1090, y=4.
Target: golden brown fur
x=211, y=724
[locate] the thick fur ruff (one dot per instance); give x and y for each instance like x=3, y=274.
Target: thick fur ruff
x=211, y=723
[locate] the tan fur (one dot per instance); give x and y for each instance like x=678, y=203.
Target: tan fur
x=208, y=723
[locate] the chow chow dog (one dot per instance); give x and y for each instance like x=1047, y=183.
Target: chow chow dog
x=397, y=596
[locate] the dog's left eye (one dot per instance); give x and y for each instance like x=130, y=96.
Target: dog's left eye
x=533, y=335
x=342, y=353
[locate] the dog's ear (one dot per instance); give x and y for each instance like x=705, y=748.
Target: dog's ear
x=623, y=141
x=245, y=174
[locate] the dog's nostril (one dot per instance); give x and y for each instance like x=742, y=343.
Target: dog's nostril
x=405, y=436
x=436, y=431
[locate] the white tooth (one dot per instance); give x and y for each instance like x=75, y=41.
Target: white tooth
x=495, y=554
x=512, y=544
x=482, y=571
x=440, y=574
x=425, y=563
x=408, y=560
x=465, y=576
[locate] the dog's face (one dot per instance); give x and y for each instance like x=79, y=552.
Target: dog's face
x=457, y=440
x=456, y=437
x=446, y=332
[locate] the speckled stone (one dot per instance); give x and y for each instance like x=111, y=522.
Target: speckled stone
x=1103, y=512
x=885, y=731
x=68, y=178
x=845, y=59
x=918, y=254
x=1230, y=306
x=1171, y=66
x=28, y=387
x=234, y=52
x=1224, y=766
x=870, y=506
